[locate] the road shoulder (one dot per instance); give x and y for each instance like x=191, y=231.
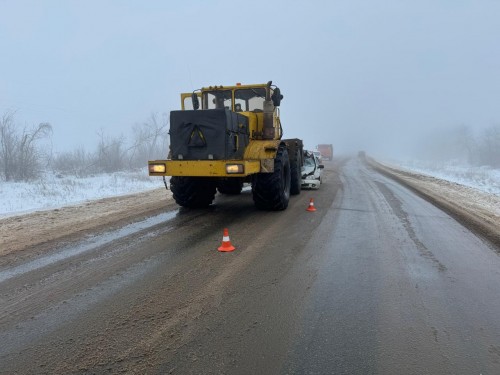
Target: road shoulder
x=478, y=211
x=42, y=228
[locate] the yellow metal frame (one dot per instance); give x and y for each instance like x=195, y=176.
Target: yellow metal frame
x=259, y=157
x=205, y=168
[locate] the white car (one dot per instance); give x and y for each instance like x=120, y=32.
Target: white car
x=311, y=171
x=318, y=155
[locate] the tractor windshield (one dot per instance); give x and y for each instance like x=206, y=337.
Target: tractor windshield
x=217, y=99
x=250, y=99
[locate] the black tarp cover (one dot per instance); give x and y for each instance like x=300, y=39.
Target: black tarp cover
x=196, y=134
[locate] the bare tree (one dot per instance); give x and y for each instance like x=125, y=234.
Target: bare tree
x=20, y=154
x=489, y=147
x=8, y=140
x=452, y=144
x=110, y=155
x=30, y=155
x=150, y=140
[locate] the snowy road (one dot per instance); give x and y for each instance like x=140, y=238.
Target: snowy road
x=376, y=281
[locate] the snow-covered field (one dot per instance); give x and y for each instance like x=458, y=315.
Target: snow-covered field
x=484, y=179
x=53, y=192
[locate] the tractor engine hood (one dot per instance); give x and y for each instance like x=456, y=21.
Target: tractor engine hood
x=212, y=134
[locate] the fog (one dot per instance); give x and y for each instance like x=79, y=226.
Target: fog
x=381, y=76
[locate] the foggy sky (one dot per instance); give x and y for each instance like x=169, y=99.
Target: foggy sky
x=372, y=75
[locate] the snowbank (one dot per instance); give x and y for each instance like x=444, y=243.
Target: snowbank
x=53, y=191
x=484, y=179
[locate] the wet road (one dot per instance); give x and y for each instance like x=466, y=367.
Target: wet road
x=402, y=288
x=377, y=281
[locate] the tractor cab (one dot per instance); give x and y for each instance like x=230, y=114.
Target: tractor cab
x=237, y=98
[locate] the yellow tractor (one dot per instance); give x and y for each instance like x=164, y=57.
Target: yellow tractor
x=225, y=136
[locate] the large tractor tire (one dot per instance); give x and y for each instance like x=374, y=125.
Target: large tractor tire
x=231, y=186
x=295, y=174
x=193, y=192
x=271, y=191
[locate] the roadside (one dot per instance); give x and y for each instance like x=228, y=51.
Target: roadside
x=474, y=209
x=41, y=228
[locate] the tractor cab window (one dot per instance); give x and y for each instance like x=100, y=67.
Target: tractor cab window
x=250, y=99
x=187, y=100
x=217, y=99
x=188, y=103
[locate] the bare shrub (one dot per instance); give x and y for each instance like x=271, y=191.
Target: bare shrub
x=110, y=155
x=77, y=162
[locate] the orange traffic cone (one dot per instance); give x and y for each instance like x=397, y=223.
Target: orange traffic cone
x=226, y=244
x=311, y=206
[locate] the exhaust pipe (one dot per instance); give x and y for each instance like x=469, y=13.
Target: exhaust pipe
x=268, y=129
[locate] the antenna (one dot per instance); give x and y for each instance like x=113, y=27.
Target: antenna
x=190, y=78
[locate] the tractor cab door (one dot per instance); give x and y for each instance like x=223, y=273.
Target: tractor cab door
x=187, y=100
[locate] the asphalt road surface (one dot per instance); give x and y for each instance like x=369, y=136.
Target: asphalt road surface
x=376, y=281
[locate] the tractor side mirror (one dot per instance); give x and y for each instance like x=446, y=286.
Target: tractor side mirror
x=196, y=102
x=276, y=97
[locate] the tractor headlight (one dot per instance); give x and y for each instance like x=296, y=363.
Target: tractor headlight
x=157, y=168
x=235, y=168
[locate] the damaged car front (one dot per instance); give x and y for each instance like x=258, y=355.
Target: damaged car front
x=311, y=171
